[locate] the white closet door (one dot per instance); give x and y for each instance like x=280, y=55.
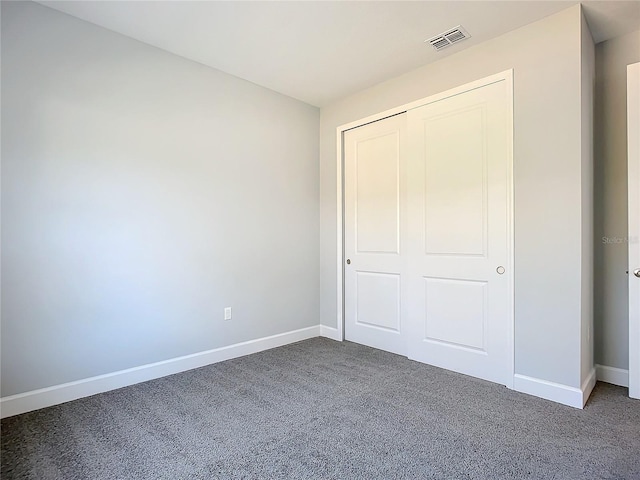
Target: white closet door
x=459, y=268
x=374, y=223
x=633, y=159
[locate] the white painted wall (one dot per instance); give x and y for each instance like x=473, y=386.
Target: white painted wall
x=610, y=230
x=141, y=194
x=546, y=58
x=587, y=89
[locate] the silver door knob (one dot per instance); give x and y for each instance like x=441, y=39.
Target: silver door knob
x=348, y=262
x=636, y=272
x=500, y=270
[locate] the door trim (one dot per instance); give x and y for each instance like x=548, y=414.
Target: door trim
x=633, y=174
x=505, y=76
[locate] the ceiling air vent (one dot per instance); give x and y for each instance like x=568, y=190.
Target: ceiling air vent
x=451, y=36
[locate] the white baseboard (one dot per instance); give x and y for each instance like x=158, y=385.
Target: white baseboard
x=46, y=397
x=330, y=332
x=556, y=392
x=588, y=385
x=616, y=376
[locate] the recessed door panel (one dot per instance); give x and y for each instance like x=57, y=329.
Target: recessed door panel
x=378, y=300
x=455, y=312
x=377, y=194
x=455, y=182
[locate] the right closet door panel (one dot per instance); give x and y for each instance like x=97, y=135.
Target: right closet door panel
x=458, y=266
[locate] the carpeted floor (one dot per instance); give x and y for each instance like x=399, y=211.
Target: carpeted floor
x=323, y=409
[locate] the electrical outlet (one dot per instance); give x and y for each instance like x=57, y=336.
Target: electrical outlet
x=227, y=313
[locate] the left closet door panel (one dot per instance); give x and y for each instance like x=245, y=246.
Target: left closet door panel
x=375, y=228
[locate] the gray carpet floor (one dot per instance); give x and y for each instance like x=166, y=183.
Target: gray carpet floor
x=327, y=410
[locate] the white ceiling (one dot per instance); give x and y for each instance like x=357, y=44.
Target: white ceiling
x=319, y=51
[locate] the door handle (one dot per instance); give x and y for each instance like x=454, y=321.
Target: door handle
x=636, y=272
x=348, y=261
x=500, y=270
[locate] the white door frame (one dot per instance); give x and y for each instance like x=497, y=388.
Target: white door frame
x=633, y=162
x=507, y=77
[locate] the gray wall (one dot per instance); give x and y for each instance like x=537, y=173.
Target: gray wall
x=611, y=295
x=587, y=92
x=141, y=194
x=546, y=58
